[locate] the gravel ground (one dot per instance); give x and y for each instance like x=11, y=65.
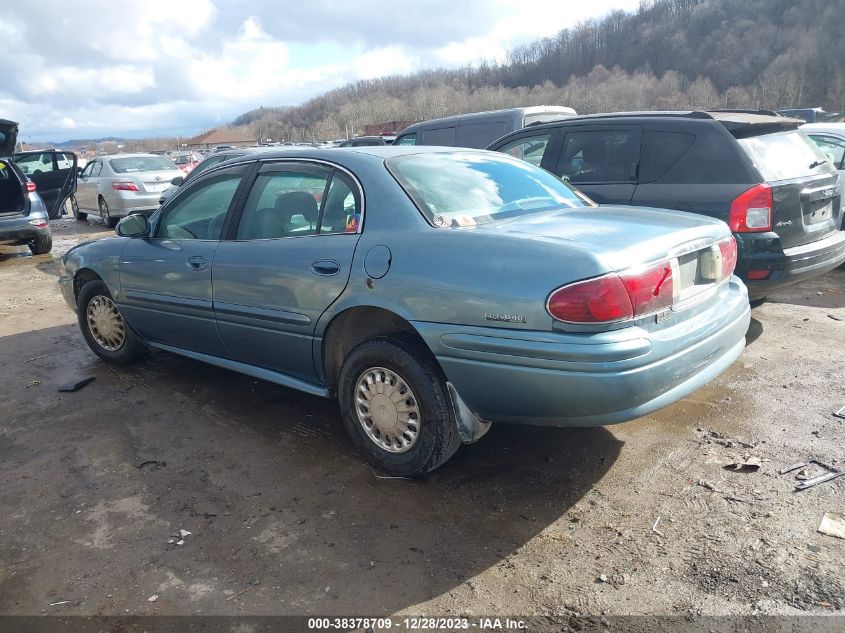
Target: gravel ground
x=285, y=518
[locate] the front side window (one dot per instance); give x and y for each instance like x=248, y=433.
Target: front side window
x=284, y=203
x=134, y=164
x=96, y=166
x=459, y=189
x=408, y=139
x=34, y=164
x=833, y=148
x=199, y=214
x=595, y=156
x=530, y=148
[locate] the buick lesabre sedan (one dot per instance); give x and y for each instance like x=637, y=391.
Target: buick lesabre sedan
x=432, y=291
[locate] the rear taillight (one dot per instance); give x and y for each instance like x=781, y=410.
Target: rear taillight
x=614, y=297
x=752, y=210
x=728, y=250
x=124, y=186
x=30, y=186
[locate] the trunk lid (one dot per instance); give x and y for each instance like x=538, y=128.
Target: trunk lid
x=156, y=181
x=806, y=193
x=8, y=137
x=624, y=237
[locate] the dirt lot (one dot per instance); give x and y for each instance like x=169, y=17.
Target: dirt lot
x=285, y=518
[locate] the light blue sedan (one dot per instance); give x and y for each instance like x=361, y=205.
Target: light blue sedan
x=432, y=291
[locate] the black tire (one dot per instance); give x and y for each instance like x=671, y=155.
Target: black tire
x=132, y=348
x=108, y=220
x=437, y=438
x=74, y=209
x=41, y=245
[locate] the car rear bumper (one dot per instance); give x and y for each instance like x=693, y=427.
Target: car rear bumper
x=132, y=202
x=787, y=266
x=568, y=379
x=19, y=230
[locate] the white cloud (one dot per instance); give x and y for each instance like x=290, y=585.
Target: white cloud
x=158, y=66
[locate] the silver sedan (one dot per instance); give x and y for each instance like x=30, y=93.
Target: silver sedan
x=119, y=185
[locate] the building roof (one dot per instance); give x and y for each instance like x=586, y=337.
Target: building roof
x=222, y=137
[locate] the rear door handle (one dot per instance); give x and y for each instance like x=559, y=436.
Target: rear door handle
x=325, y=267
x=197, y=263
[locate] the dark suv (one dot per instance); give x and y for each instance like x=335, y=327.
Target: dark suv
x=752, y=169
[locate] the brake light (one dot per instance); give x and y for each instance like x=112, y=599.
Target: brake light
x=614, y=297
x=752, y=210
x=728, y=250
x=124, y=186
x=30, y=186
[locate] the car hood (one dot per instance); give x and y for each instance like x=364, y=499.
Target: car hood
x=619, y=236
x=8, y=137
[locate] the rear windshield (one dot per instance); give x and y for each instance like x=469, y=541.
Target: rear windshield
x=141, y=163
x=785, y=155
x=468, y=188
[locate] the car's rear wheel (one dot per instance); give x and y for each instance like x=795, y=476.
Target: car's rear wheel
x=41, y=244
x=103, y=326
x=108, y=220
x=396, y=408
x=74, y=209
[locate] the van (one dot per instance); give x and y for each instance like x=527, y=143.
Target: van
x=478, y=129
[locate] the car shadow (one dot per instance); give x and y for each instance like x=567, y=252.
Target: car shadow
x=755, y=329
x=827, y=291
x=268, y=483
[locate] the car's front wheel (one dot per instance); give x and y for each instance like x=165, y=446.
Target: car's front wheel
x=396, y=408
x=74, y=209
x=108, y=220
x=103, y=326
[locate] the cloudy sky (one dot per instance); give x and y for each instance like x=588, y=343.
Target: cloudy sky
x=167, y=67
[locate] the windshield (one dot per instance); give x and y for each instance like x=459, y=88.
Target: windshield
x=785, y=155
x=141, y=163
x=469, y=188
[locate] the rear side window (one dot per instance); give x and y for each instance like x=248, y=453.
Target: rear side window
x=595, y=156
x=442, y=136
x=785, y=155
x=480, y=135
x=660, y=151
x=528, y=148
x=833, y=148
x=284, y=203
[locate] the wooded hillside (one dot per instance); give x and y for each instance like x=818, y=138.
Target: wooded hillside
x=669, y=54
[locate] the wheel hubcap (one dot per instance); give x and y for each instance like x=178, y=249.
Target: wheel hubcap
x=387, y=410
x=105, y=323
x=104, y=210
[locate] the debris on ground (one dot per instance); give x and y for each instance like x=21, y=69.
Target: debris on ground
x=710, y=486
x=152, y=598
x=833, y=524
x=834, y=317
x=53, y=604
x=178, y=538
x=237, y=594
x=728, y=442
x=37, y=357
x=654, y=527
x=151, y=464
x=748, y=464
x=840, y=413
x=829, y=473
x=76, y=385
x=33, y=383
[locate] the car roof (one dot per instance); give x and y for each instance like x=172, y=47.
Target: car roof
x=132, y=155
x=833, y=128
x=382, y=152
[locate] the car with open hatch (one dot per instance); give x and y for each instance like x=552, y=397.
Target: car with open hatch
x=432, y=291
x=755, y=170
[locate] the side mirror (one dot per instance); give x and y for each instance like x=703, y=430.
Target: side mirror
x=79, y=170
x=178, y=180
x=134, y=225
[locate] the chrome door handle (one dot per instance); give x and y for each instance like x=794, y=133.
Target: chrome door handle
x=196, y=263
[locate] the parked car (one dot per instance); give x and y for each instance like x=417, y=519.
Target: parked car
x=208, y=163
x=123, y=184
x=363, y=141
x=830, y=139
x=54, y=174
x=186, y=161
x=755, y=171
x=478, y=129
x=24, y=218
x=432, y=291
